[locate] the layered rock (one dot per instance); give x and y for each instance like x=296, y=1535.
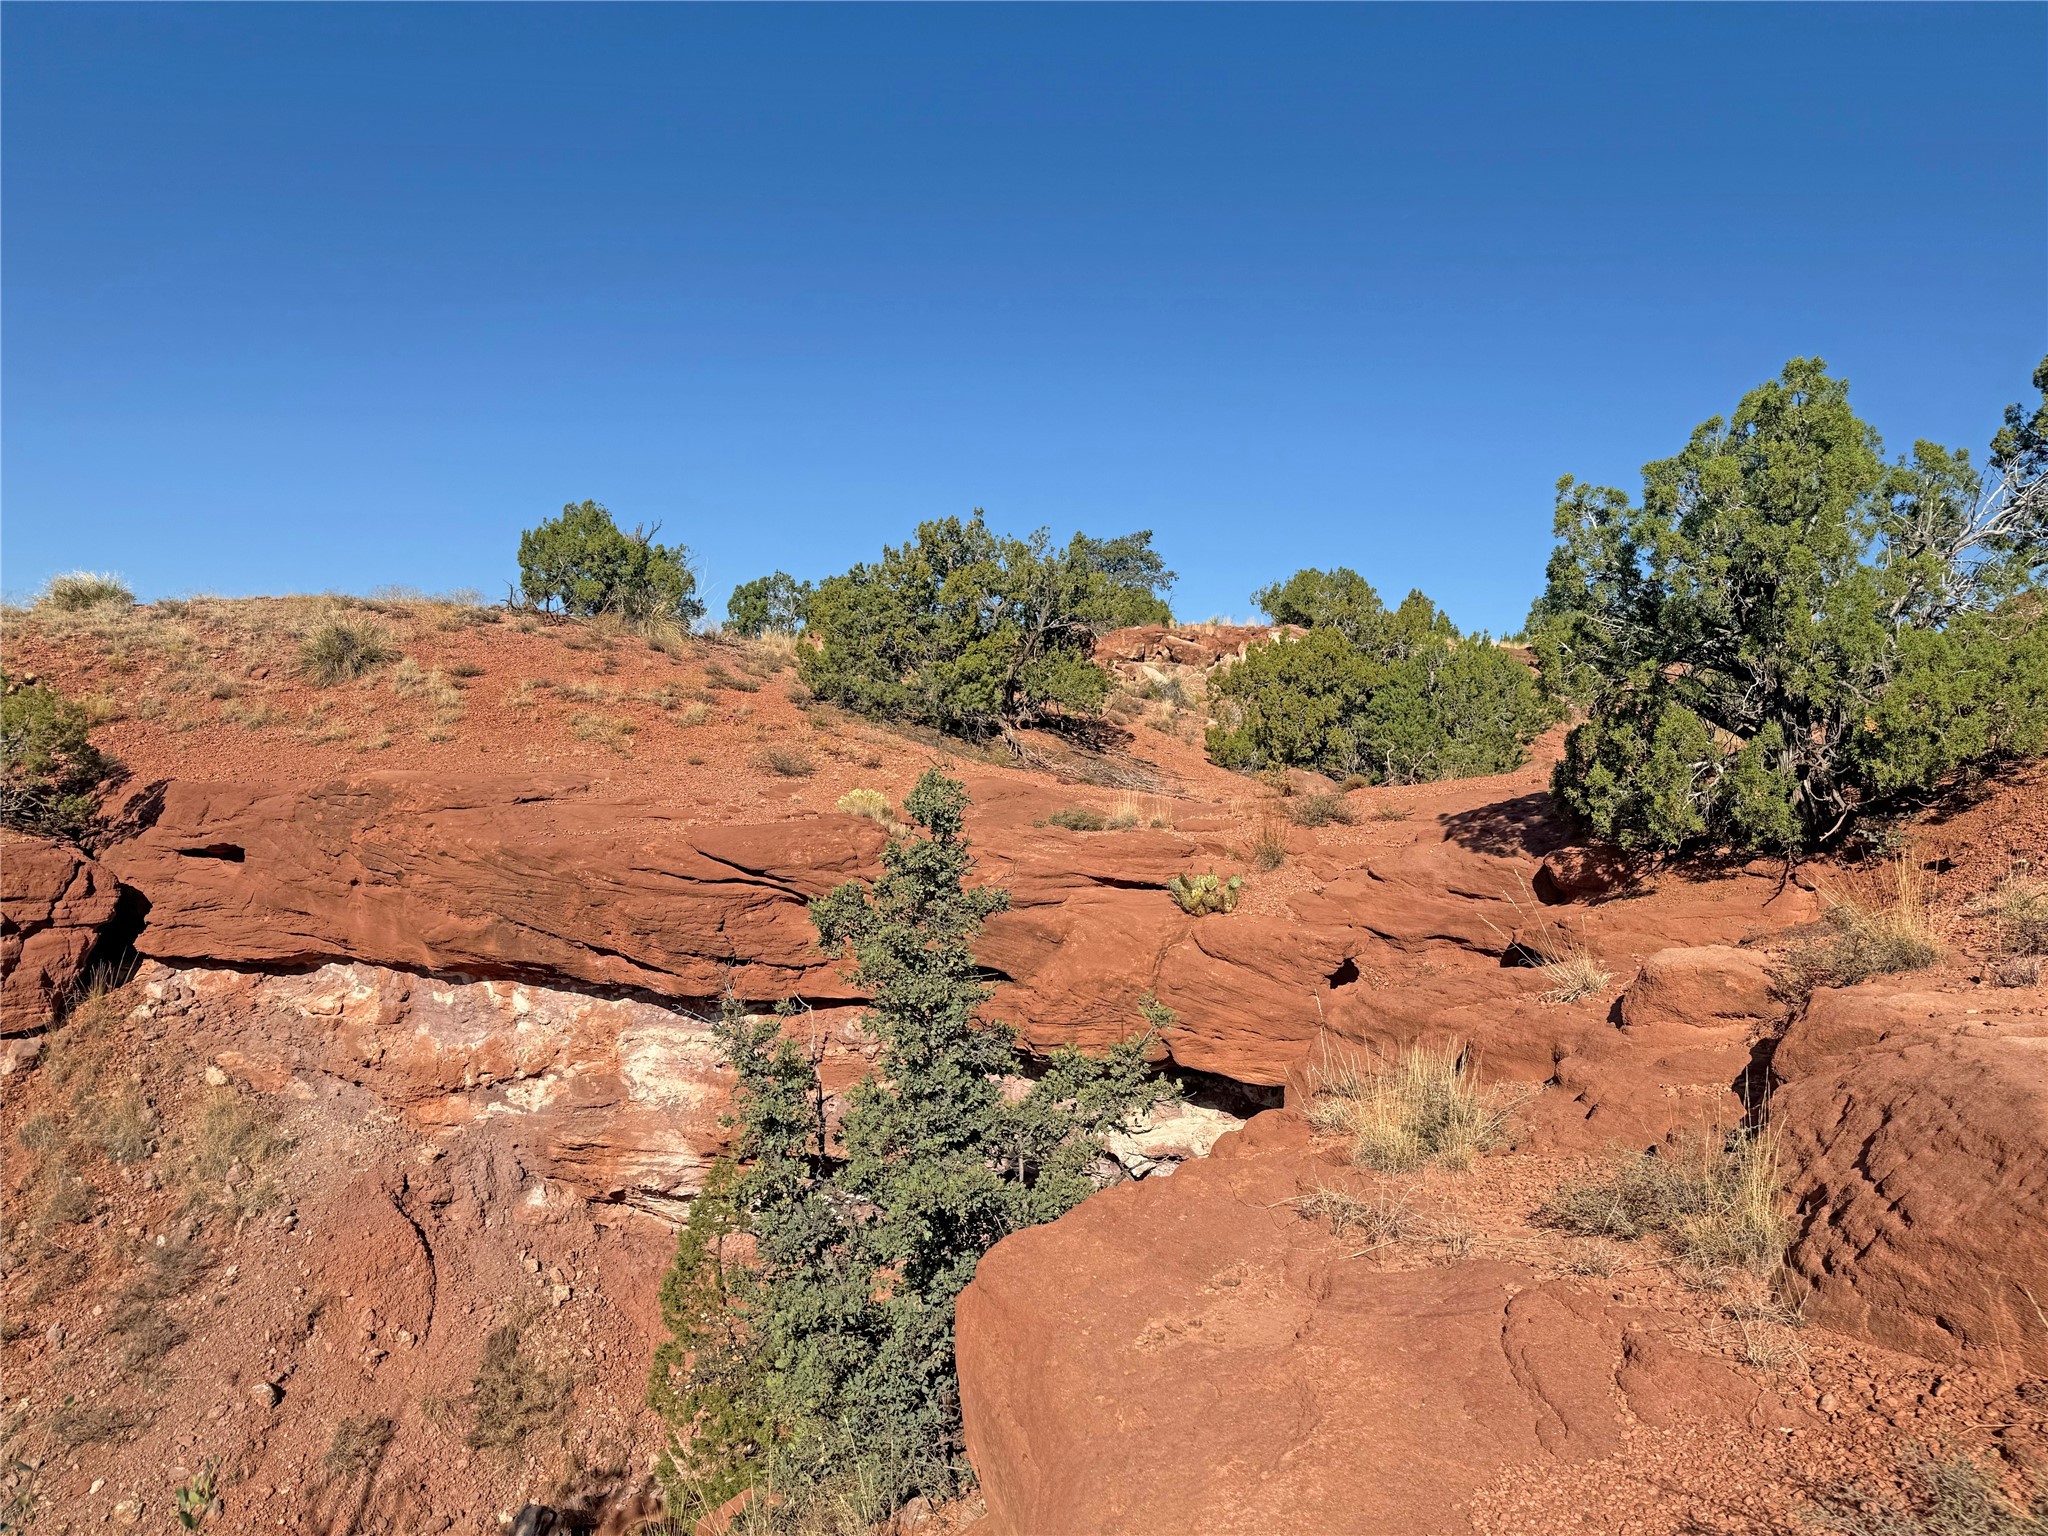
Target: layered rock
x=1199, y=1356
x=54, y=901
x=1916, y=1129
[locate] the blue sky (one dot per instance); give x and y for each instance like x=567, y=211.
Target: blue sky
x=308, y=298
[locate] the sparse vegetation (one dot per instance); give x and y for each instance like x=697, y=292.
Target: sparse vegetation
x=357, y=1446
x=342, y=650
x=1381, y=1217
x=1939, y=1496
x=50, y=772
x=605, y=730
x=233, y=1158
x=1426, y=1106
x=1865, y=938
x=1711, y=1198
x=1269, y=845
x=2020, y=908
x=1320, y=810
x=1078, y=818
x=1575, y=973
x=80, y=590
x=871, y=803
x=789, y=762
x=1200, y=895
x=512, y=1394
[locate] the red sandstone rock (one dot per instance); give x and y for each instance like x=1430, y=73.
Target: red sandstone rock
x=1709, y=986
x=492, y=877
x=1920, y=1168
x=1198, y=1356
x=54, y=899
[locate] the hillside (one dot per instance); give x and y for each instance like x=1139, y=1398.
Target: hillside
x=352, y=1201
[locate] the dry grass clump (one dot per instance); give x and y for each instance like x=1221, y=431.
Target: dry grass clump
x=1320, y=811
x=512, y=1395
x=1939, y=1496
x=1425, y=1107
x=604, y=730
x=1382, y=1217
x=75, y=1424
x=1269, y=844
x=1711, y=1199
x=715, y=676
x=78, y=590
x=786, y=761
x=342, y=650
x=2020, y=908
x=871, y=803
x=357, y=1446
x=1576, y=973
x=1866, y=938
x=232, y=1165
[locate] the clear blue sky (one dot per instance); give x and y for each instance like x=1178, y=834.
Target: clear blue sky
x=306, y=298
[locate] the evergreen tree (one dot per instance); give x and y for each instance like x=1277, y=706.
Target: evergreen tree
x=825, y=1361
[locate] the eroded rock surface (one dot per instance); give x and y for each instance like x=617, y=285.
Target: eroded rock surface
x=54, y=901
x=1296, y=1387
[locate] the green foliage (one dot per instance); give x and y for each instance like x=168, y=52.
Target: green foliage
x=1199, y=895
x=50, y=772
x=1345, y=601
x=824, y=1361
x=970, y=632
x=342, y=650
x=583, y=562
x=768, y=603
x=1787, y=631
x=1422, y=709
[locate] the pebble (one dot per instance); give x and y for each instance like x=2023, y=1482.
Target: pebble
x=215, y=1078
x=267, y=1394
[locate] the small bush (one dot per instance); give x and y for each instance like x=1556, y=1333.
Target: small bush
x=84, y=589
x=50, y=772
x=871, y=803
x=1425, y=1107
x=715, y=676
x=1869, y=938
x=787, y=761
x=1711, y=1199
x=1077, y=818
x=342, y=650
x=1200, y=895
x=511, y=1395
x=1941, y=1497
x=604, y=730
x=1575, y=973
x=1320, y=811
x=2020, y=906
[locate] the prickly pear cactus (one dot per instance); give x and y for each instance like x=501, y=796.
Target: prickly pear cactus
x=1200, y=895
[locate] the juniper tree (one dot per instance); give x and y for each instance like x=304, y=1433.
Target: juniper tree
x=832, y=1364
x=1787, y=631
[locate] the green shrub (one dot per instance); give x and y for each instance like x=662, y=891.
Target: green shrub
x=822, y=1366
x=84, y=589
x=344, y=649
x=1345, y=601
x=583, y=563
x=965, y=631
x=1445, y=710
x=768, y=604
x=1077, y=818
x=1788, y=632
x=1320, y=811
x=50, y=772
x=1199, y=895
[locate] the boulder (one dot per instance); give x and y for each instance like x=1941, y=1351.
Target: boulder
x=1708, y=986
x=1920, y=1171
x=1195, y=1354
x=54, y=900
